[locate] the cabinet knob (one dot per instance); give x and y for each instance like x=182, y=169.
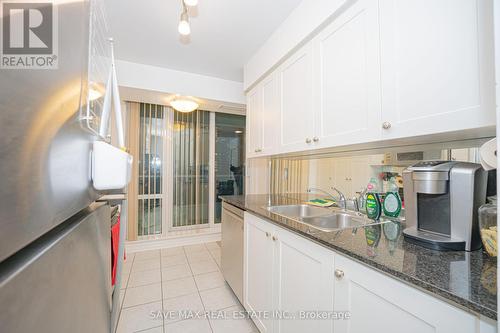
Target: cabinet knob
x=275, y=238
x=308, y=140
x=339, y=274
x=386, y=125
x=268, y=234
x=315, y=139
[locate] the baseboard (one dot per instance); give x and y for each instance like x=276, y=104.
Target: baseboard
x=181, y=240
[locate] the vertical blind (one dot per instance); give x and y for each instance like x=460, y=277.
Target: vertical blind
x=150, y=199
x=191, y=152
x=286, y=176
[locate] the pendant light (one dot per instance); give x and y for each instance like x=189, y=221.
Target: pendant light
x=184, y=105
x=191, y=3
x=184, y=28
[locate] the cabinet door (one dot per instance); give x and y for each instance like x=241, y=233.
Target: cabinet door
x=303, y=283
x=360, y=174
x=258, y=269
x=348, y=77
x=297, y=114
x=437, y=67
x=271, y=102
x=378, y=303
x=254, y=122
x=342, y=172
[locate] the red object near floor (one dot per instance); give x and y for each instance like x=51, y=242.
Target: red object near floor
x=115, y=237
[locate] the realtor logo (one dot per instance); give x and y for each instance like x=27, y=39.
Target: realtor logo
x=29, y=34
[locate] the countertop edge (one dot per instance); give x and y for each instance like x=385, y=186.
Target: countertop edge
x=430, y=289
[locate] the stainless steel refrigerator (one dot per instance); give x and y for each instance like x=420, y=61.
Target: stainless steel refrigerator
x=55, y=251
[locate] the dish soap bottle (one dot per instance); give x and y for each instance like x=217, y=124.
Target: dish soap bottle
x=372, y=201
x=392, y=200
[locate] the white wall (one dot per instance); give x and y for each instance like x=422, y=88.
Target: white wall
x=304, y=20
x=166, y=80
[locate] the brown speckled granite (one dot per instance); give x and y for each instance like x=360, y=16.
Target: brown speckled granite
x=466, y=279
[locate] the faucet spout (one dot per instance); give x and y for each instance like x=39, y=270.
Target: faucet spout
x=342, y=197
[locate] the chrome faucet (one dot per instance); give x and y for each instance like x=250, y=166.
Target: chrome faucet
x=356, y=203
x=341, y=196
x=359, y=200
x=310, y=189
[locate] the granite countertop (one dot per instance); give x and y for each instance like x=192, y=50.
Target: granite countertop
x=466, y=279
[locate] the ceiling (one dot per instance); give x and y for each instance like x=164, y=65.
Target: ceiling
x=224, y=33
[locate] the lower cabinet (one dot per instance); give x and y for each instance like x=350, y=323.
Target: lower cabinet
x=303, y=283
x=258, y=270
x=378, y=303
x=288, y=277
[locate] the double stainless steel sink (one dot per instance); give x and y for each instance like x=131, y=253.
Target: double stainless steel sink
x=324, y=219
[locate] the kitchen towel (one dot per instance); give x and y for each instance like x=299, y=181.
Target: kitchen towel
x=488, y=155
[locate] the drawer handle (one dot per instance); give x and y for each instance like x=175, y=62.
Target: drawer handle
x=315, y=139
x=275, y=238
x=268, y=234
x=339, y=274
x=308, y=140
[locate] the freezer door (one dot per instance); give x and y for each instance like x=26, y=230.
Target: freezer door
x=61, y=282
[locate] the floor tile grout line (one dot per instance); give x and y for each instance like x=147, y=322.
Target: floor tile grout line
x=188, y=262
x=199, y=295
x=144, y=285
x=147, y=329
x=141, y=304
x=210, y=252
x=122, y=301
x=197, y=292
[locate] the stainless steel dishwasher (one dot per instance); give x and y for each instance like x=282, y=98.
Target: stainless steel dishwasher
x=232, y=248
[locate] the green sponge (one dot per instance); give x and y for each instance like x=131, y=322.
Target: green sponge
x=321, y=202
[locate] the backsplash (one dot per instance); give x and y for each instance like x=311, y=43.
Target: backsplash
x=351, y=173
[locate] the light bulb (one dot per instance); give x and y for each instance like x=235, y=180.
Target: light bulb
x=184, y=28
x=191, y=3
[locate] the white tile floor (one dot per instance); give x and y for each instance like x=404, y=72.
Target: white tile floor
x=181, y=278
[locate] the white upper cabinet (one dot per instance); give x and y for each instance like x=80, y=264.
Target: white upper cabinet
x=254, y=122
x=348, y=77
x=263, y=117
x=271, y=108
x=382, y=69
x=297, y=109
x=437, y=66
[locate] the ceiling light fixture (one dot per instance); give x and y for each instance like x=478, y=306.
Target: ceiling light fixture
x=184, y=105
x=191, y=3
x=184, y=28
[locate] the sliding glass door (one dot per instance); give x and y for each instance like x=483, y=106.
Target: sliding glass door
x=150, y=168
x=191, y=148
x=185, y=161
x=229, y=158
